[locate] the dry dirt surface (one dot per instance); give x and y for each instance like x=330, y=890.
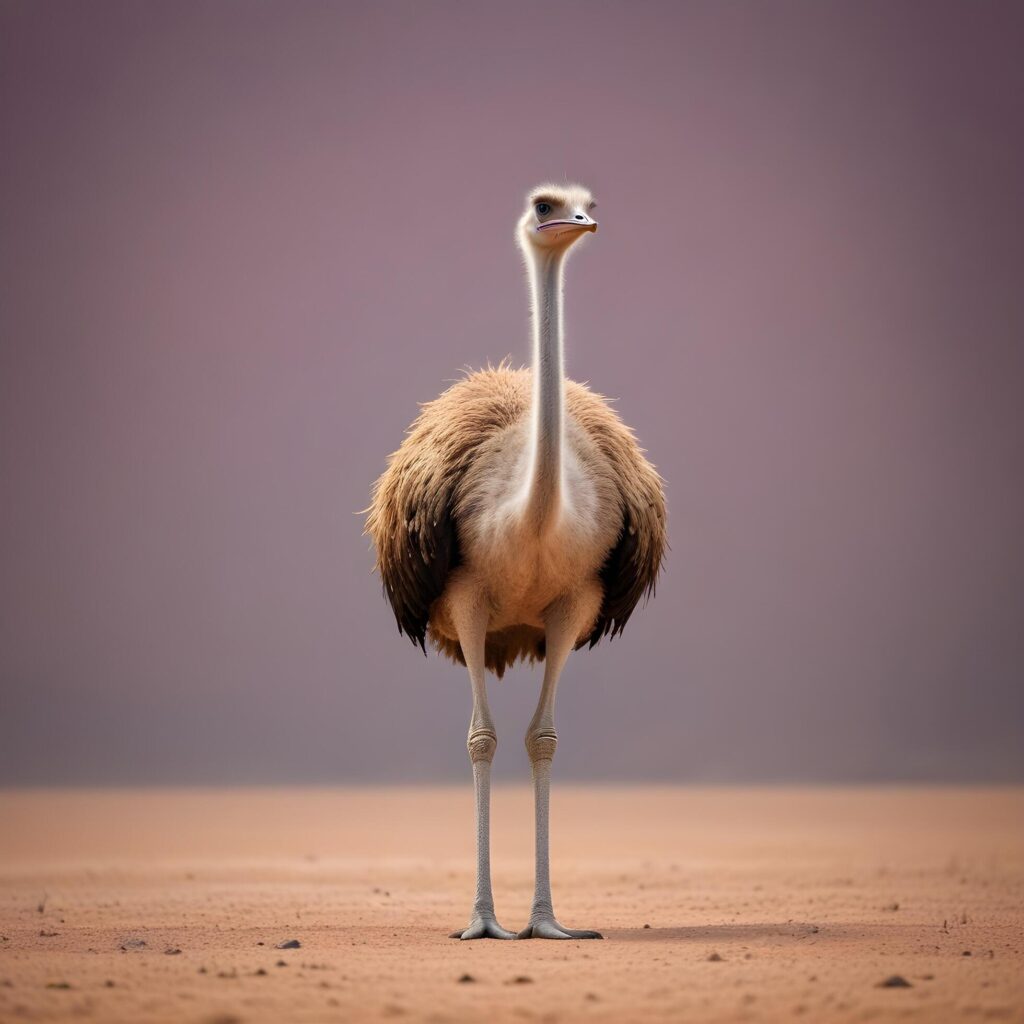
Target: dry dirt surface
x=717, y=905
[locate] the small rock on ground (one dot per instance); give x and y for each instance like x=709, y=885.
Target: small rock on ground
x=895, y=981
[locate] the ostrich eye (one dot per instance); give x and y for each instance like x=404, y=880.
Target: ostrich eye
x=543, y=209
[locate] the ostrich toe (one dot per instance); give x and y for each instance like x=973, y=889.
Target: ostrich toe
x=483, y=928
x=549, y=928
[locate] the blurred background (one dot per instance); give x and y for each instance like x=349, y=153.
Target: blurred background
x=240, y=241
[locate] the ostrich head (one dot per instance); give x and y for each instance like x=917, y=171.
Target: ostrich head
x=555, y=217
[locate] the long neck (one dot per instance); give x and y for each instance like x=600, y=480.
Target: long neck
x=545, y=484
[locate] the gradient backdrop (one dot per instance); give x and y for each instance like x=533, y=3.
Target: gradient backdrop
x=240, y=242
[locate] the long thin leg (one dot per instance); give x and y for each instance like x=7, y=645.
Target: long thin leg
x=471, y=623
x=562, y=626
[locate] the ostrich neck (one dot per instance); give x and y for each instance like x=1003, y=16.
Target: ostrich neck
x=545, y=483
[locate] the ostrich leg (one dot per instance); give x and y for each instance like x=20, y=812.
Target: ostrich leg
x=471, y=623
x=562, y=625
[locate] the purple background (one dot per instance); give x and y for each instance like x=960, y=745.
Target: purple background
x=240, y=242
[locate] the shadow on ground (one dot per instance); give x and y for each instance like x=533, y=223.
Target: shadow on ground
x=726, y=933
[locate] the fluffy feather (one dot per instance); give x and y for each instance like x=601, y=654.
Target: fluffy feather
x=419, y=508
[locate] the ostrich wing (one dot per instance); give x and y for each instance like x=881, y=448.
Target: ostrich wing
x=413, y=527
x=631, y=568
x=414, y=516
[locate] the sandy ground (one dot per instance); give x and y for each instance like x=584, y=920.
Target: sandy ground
x=717, y=904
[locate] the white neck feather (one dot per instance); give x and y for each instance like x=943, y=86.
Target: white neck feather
x=545, y=485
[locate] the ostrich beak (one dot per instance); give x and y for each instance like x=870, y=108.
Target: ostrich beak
x=561, y=226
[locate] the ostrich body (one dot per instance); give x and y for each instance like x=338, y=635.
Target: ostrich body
x=519, y=519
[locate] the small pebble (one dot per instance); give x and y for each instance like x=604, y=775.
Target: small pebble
x=715, y=958
x=289, y=944
x=171, y=951
x=894, y=981
x=466, y=978
x=647, y=926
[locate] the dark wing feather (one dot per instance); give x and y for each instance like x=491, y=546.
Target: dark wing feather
x=414, y=530
x=415, y=579
x=413, y=518
x=631, y=568
x=630, y=571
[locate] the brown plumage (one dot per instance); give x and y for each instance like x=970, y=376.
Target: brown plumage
x=421, y=499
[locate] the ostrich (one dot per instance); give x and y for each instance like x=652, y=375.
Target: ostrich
x=519, y=519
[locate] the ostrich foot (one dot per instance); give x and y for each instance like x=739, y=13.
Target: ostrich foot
x=483, y=926
x=544, y=926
